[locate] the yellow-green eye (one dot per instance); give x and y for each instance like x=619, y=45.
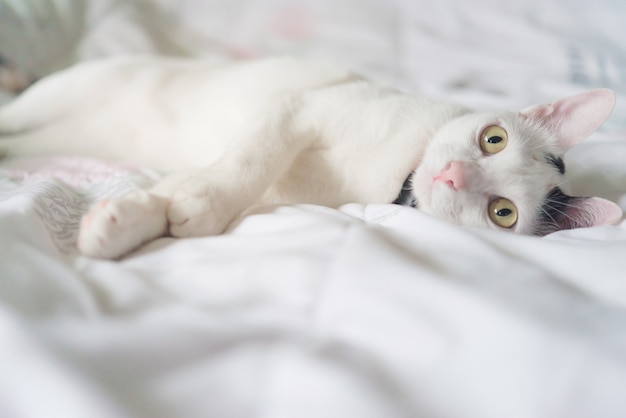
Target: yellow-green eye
x=493, y=139
x=503, y=212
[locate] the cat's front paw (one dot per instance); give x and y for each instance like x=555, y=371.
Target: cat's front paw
x=198, y=210
x=114, y=227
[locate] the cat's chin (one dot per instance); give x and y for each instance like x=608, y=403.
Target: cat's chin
x=432, y=197
x=440, y=200
x=425, y=190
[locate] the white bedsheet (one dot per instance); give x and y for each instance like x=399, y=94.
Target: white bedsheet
x=305, y=311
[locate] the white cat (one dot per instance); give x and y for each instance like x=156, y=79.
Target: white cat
x=284, y=131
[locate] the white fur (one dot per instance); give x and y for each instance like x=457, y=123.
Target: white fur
x=273, y=131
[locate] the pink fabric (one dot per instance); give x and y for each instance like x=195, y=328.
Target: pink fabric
x=78, y=172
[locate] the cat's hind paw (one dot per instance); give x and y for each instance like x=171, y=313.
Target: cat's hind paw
x=114, y=227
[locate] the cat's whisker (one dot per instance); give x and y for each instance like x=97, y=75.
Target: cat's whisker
x=561, y=203
x=554, y=222
x=564, y=214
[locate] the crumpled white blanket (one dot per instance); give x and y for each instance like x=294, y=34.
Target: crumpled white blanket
x=364, y=311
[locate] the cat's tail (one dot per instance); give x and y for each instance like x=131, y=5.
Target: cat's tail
x=33, y=108
x=24, y=130
x=49, y=99
x=35, y=121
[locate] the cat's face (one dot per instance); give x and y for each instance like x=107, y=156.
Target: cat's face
x=462, y=174
x=505, y=170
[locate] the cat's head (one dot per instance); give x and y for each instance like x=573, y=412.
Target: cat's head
x=505, y=170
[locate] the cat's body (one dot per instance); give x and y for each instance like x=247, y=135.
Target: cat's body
x=284, y=131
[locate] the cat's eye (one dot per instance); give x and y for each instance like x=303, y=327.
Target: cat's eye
x=503, y=212
x=493, y=139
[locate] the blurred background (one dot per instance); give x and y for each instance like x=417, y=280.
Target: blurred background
x=481, y=53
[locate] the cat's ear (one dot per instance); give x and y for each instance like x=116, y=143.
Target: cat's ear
x=573, y=118
x=585, y=212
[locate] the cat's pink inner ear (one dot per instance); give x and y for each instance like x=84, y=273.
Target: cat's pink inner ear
x=592, y=211
x=574, y=118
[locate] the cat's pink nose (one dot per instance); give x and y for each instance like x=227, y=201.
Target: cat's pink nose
x=453, y=175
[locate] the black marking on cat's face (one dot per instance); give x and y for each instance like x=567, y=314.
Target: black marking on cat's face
x=553, y=212
x=557, y=162
x=406, y=196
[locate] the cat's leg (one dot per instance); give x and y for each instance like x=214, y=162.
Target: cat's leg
x=196, y=203
x=114, y=227
x=52, y=97
x=206, y=202
x=37, y=106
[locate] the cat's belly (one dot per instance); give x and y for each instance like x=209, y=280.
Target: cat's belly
x=167, y=114
x=317, y=178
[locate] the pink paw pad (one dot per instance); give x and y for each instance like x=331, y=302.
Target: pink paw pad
x=88, y=218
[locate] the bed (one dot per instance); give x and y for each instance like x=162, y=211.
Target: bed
x=306, y=311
